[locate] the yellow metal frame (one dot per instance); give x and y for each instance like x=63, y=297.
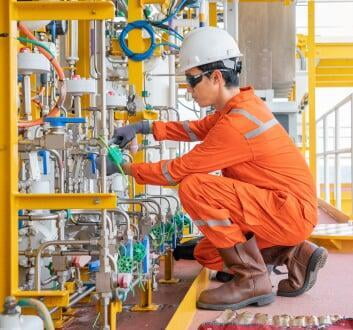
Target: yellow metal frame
x=65, y=201
x=311, y=87
x=186, y=311
x=168, y=269
x=83, y=65
x=62, y=10
x=10, y=200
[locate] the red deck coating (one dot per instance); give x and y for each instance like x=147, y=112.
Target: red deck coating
x=167, y=296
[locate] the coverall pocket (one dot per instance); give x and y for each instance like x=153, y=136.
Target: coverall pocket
x=279, y=200
x=248, y=197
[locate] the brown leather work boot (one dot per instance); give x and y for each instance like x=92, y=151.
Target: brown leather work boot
x=251, y=283
x=303, y=262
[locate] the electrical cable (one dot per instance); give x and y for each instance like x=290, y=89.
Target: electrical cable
x=36, y=43
x=141, y=25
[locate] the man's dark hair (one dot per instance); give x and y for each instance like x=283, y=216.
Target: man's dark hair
x=230, y=70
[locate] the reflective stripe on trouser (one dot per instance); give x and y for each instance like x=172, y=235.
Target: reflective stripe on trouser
x=209, y=198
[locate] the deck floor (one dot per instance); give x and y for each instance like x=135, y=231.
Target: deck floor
x=332, y=293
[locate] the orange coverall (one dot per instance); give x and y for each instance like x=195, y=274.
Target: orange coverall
x=266, y=187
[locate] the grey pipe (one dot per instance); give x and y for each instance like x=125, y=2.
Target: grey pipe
x=49, y=280
x=32, y=254
x=160, y=197
x=59, y=161
x=47, y=244
x=144, y=200
x=75, y=298
x=39, y=217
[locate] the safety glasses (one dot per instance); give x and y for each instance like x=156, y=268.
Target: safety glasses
x=194, y=80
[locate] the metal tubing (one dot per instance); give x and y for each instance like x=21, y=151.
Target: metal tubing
x=136, y=201
x=77, y=105
x=26, y=90
x=32, y=254
x=76, y=299
x=59, y=161
x=45, y=245
x=160, y=197
x=39, y=217
x=169, y=196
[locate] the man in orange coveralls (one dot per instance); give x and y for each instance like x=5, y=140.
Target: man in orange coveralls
x=263, y=207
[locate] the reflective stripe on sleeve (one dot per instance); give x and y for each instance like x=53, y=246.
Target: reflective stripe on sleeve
x=189, y=131
x=213, y=223
x=167, y=175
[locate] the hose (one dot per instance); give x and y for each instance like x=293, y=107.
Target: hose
x=36, y=43
x=41, y=309
x=141, y=25
x=55, y=110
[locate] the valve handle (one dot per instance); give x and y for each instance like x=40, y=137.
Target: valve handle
x=61, y=121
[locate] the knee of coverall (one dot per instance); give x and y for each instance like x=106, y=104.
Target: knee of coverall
x=189, y=185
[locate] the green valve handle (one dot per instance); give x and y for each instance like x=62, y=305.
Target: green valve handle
x=125, y=264
x=115, y=155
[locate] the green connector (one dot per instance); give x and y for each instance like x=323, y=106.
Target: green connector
x=115, y=155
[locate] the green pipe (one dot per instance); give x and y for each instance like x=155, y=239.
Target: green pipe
x=41, y=309
x=37, y=43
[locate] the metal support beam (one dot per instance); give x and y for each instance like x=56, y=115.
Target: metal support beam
x=65, y=201
x=8, y=152
x=83, y=64
x=135, y=69
x=311, y=87
x=336, y=50
x=212, y=14
x=62, y=10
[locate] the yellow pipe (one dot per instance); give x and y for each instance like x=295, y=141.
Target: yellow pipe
x=312, y=83
x=145, y=304
x=168, y=269
x=135, y=69
x=212, y=13
x=83, y=64
x=8, y=151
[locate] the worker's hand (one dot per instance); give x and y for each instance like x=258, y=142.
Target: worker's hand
x=127, y=168
x=111, y=167
x=123, y=135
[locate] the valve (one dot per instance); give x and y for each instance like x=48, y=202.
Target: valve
x=62, y=121
x=92, y=157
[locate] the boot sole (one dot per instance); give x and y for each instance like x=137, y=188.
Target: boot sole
x=316, y=262
x=258, y=301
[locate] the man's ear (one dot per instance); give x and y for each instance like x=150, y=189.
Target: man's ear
x=217, y=76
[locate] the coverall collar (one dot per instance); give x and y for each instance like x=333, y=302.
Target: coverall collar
x=246, y=93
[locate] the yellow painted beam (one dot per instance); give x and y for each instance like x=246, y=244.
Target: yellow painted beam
x=336, y=62
x=50, y=298
x=65, y=201
x=212, y=14
x=186, y=311
x=62, y=10
x=335, y=84
x=8, y=152
x=135, y=69
x=83, y=64
x=334, y=50
x=334, y=70
x=311, y=87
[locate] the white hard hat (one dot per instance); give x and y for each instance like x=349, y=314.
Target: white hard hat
x=206, y=45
